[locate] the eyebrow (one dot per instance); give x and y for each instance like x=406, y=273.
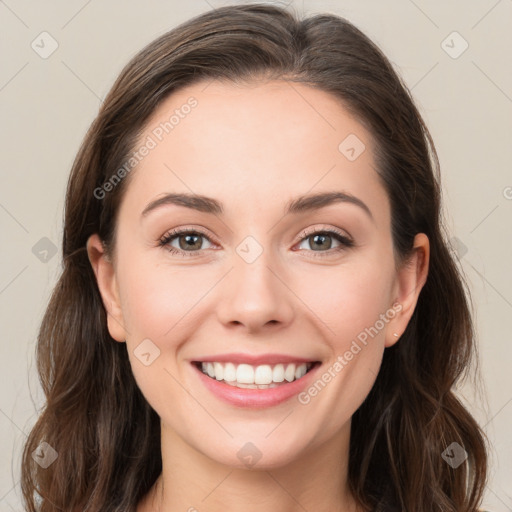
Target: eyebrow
x=298, y=205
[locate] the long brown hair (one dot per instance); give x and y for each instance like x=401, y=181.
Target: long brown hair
x=106, y=435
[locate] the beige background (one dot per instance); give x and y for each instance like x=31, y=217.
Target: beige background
x=46, y=105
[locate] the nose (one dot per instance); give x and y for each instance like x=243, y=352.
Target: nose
x=255, y=297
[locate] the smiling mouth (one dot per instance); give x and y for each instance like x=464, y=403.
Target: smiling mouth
x=248, y=376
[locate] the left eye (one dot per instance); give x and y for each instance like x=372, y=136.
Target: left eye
x=324, y=240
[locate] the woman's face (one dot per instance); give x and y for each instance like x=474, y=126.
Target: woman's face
x=267, y=278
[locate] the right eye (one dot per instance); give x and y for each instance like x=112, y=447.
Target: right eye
x=189, y=241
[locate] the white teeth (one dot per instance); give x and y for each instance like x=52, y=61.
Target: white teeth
x=219, y=371
x=289, y=373
x=245, y=374
x=252, y=386
x=278, y=373
x=300, y=371
x=210, y=369
x=229, y=372
x=255, y=377
x=263, y=374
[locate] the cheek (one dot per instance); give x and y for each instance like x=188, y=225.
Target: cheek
x=156, y=298
x=350, y=304
x=346, y=300
x=160, y=304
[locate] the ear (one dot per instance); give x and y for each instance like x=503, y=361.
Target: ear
x=106, y=278
x=409, y=283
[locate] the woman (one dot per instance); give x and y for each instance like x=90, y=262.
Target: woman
x=203, y=350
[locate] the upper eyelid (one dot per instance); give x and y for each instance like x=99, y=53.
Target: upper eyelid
x=174, y=233
x=312, y=231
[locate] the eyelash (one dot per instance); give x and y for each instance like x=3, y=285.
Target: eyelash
x=345, y=242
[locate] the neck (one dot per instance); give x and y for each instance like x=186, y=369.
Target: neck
x=193, y=482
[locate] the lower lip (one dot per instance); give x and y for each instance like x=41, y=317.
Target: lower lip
x=256, y=398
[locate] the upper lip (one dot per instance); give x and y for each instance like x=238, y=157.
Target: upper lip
x=254, y=359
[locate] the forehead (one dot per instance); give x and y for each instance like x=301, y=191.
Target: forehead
x=254, y=144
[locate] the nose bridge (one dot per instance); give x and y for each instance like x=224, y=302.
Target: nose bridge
x=254, y=296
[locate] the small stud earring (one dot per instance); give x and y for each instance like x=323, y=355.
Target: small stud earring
x=395, y=335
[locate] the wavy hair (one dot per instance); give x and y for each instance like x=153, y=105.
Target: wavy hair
x=107, y=436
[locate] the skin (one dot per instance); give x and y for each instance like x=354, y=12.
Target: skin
x=254, y=148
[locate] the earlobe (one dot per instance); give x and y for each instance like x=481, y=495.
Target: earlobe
x=107, y=284
x=410, y=280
